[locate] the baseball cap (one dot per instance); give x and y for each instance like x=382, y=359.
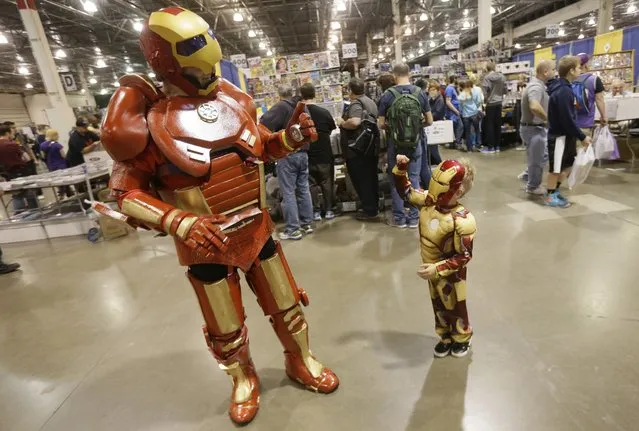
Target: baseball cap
x=81, y=122
x=584, y=58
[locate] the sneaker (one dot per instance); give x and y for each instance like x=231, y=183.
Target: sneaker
x=523, y=176
x=330, y=215
x=476, y=150
x=362, y=216
x=562, y=197
x=488, y=150
x=307, y=229
x=539, y=191
x=401, y=224
x=442, y=349
x=413, y=224
x=459, y=350
x=553, y=200
x=6, y=268
x=41, y=197
x=463, y=150
x=317, y=216
x=293, y=236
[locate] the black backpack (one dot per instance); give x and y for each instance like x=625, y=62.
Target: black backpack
x=365, y=141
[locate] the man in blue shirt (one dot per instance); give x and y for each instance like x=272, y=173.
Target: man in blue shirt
x=452, y=110
x=400, y=218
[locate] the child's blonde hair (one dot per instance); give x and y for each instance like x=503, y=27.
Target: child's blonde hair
x=469, y=176
x=52, y=135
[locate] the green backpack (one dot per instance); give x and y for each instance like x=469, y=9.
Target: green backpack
x=405, y=119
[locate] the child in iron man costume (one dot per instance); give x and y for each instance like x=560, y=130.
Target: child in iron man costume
x=446, y=230
x=189, y=162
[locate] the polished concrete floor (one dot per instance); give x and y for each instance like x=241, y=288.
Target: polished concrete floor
x=107, y=336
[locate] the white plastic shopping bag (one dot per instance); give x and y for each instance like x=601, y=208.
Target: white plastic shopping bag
x=604, y=143
x=581, y=168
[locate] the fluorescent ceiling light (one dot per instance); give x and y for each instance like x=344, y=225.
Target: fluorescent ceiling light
x=591, y=21
x=411, y=56
x=22, y=70
x=129, y=69
x=334, y=38
x=581, y=36
x=60, y=54
x=93, y=81
x=151, y=75
x=611, y=28
x=380, y=56
x=492, y=10
x=340, y=6
x=91, y=72
x=387, y=50
x=432, y=34
x=269, y=53
x=262, y=45
x=562, y=32
x=423, y=17
x=408, y=31
x=556, y=43
x=252, y=33
x=97, y=50
x=103, y=91
x=421, y=51
x=404, y=59
x=238, y=17
x=465, y=12
x=83, y=91
x=517, y=46
x=335, y=25
x=89, y=6
x=116, y=84
x=466, y=24
x=330, y=46
x=19, y=57
x=538, y=46
x=100, y=63
x=29, y=86
x=432, y=44
x=3, y=39
x=138, y=26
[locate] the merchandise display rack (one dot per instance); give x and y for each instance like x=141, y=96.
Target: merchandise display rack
x=614, y=65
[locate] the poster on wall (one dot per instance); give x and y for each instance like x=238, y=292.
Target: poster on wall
x=268, y=67
x=322, y=60
x=294, y=63
x=239, y=60
x=255, y=66
x=452, y=41
x=333, y=59
x=308, y=62
x=281, y=65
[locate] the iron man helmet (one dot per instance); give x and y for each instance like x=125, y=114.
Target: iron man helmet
x=446, y=180
x=175, y=38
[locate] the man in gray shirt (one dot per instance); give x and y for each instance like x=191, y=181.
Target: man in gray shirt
x=534, y=125
x=494, y=89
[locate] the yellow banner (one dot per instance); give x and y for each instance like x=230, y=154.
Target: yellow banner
x=609, y=42
x=544, y=54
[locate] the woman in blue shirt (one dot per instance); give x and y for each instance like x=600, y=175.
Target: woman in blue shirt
x=470, y=101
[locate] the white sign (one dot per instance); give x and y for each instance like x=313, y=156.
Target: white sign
x=552, y=31
x=349, y=50
x=239, y=60
x=441, y=132
x=452, y=41
x=68, y=81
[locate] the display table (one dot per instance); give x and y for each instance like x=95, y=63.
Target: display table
x=623, y=109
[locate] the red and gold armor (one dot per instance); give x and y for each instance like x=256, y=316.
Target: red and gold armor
x=446, y=231
x=191, y=165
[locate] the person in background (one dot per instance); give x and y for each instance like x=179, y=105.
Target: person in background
x=31, y=166
x=494, y=89
x=402, y=91
x=81, y=142
x=385, y=81
x=6, y=268
x=479, y=93
x=592, y=85
x=54, y=157
x=40, y=138
x=362, y=168
x=425, y=171
x=438, y=111
x=563, y=126
x=292, y=171
x=470, y=105
x=618, y=88
x=534, y=126
x=94, y=123
x=14, y=163
x=452, y=110
x=320, y=154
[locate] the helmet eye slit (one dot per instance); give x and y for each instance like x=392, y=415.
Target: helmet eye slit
x=190, y=46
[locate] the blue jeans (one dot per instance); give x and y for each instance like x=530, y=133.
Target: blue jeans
x=424, y=172
x=469, y=124
x=414, y=167
x=24, y=200
x=297, y=205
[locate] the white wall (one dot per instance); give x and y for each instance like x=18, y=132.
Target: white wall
x=12, y=108
x=438, y=60
x=37, y=104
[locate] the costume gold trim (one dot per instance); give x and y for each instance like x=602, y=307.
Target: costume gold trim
x=168, y=220
x=219, y=296
x=184, y=227
x=142, y=211
x=192, y=200
x=243, y=387
x=285, y=143
x=278, y=282
x=312, y=364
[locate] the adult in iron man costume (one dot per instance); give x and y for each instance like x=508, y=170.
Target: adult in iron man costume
x=189, y=162
x=446, y=232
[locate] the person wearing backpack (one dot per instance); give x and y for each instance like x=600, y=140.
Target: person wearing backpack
x=589, y=92
x=361, y=166
x=404, y=111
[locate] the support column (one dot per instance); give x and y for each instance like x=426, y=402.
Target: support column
x=84, y=85
x=484, y=22
x=60, y=114
x=369, y=51
x=508, y=31
x=605, y=16
x=397, y=32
